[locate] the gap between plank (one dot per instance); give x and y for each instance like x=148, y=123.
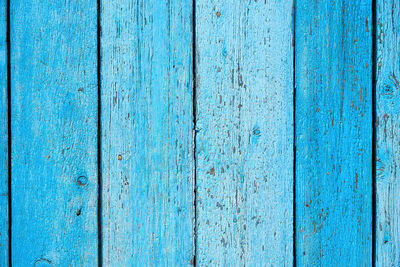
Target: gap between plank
x=373, y=256
x=294, y=132
x=99, y=140
x=194, y=108
x=8, y=44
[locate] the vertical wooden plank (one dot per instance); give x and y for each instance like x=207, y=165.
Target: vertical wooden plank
x=244, y=64
x=388, y=132
x=54, y=133
x=333, y=133
x=147, y=133
x=3, y=137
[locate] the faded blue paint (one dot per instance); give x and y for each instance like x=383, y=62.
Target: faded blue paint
x=244, y=145
x=147, y=133
x=388, y=134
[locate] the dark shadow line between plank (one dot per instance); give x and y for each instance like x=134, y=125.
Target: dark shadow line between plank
x=8, y=44
x=373, y=204
x=194, y=110
x=294, y=132
x=99, y=140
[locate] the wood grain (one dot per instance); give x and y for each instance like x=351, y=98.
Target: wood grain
x=244, y=76
x=3, y=137
x=388, y=133
x=333, y=133
x=54, y=133
x=147, y=133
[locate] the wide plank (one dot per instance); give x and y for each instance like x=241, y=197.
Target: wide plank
x=54, y=132
x=333, y=133
x=244, y=148
x=147, y=133
x=388, y=133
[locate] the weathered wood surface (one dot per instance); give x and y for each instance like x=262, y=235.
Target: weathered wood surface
x=271, y=78
x=388, y=134
x=244, y=78
x=147, y=133
x=54, y=133
x=3, y=137
x=333, y=133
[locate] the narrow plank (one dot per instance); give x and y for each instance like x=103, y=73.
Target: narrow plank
x=388, y=133
x=333, y=133
x=54, y=133
x=147, y=133
x=244, y=64
x=3, y=137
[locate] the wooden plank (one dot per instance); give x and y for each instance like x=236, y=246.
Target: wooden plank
x=244, y=133
x=333, y=133
x=147, y=133
x=388, y=133
x=54, y=133
x=3, y=137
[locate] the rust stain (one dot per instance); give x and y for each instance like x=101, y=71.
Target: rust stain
x=356, y=180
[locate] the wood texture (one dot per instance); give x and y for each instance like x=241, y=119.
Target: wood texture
x=259, y=65
x=244, y=133
x=54, y=133
x=333, y=133
x=3, y=137
x=388, y=133
x=147, y=133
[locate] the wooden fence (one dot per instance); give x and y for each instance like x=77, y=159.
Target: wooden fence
x=204, y=132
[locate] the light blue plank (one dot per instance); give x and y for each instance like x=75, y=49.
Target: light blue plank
x=147, y=133
x=333, y=133
x=244, y=133
x=3, y=137
x=54, y=133
x=388, y=134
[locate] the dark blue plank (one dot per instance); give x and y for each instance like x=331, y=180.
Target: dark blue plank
x=54, y=132
x=333, y=133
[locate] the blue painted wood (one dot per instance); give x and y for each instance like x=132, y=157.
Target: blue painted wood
x=333, y=133
x=244, y=135
x=54, y=126
x=388, y=133
x=3, y=138
x=147, y=133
